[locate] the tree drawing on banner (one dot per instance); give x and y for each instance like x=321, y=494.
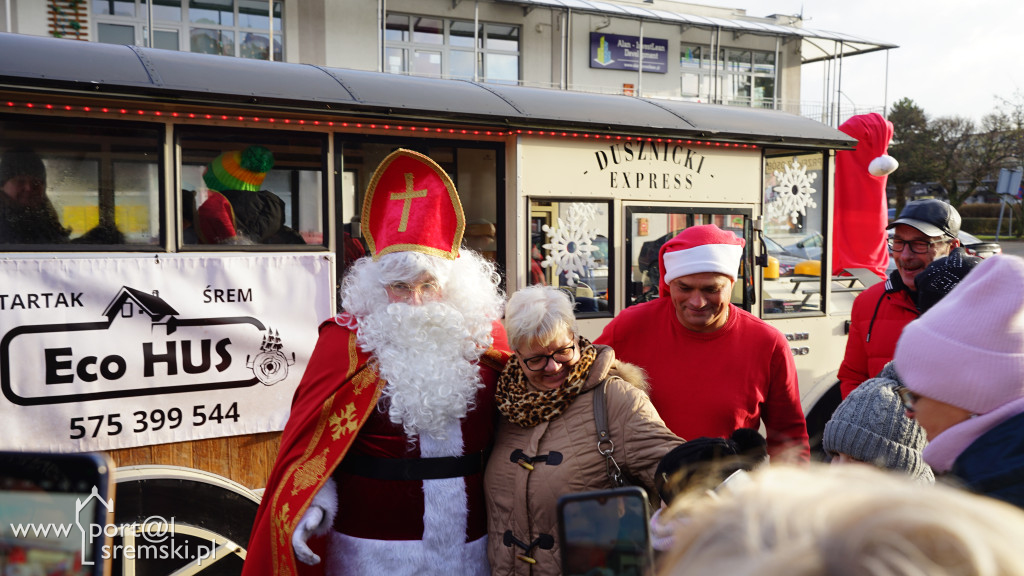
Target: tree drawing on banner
x=571, y=244
x=793, y=195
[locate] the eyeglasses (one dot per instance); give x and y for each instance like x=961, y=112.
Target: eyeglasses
x=562, y=355
x=916, y=246
x=405, y=291
x=907, y=397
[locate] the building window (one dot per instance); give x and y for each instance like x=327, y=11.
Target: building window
x=697, y=73
x=739, y=78
x=226, y=27
x=749, y=78
x=442, y=48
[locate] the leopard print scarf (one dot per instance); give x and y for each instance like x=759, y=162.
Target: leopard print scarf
x=528, y=407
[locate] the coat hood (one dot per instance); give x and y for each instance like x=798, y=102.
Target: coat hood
x=606, y=365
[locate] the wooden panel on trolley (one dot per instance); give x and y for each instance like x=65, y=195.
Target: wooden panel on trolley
x=246, y=459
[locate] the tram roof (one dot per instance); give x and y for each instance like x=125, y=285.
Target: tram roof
x=217, y=80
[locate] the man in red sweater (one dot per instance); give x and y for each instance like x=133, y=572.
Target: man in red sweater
x=713, y=367
x=926, y=230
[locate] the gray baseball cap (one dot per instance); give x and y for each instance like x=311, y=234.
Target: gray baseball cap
x=932, y=217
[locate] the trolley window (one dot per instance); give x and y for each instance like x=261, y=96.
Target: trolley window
x=793, y=238
x=569, y=248
x=252, y=187
x=475, y=169
x=98, y=187
x=649, y=228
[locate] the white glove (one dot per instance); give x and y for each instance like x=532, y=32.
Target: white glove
x=312, y=521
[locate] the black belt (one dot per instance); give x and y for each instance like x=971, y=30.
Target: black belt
x=414, y=468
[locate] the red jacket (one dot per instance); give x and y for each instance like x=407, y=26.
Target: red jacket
x=876, y=322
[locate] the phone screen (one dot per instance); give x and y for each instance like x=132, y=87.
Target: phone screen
x=606, y=533
x=54, y=512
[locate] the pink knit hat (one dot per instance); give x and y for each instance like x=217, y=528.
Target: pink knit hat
x=968, y=350
x=699, y=249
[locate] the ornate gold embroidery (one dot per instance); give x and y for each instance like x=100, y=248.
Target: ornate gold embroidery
x=344, y=421
x=309, y=473
x=362, y=380
x=281, y=526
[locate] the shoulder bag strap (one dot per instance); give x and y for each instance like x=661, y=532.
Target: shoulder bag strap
x=605, y=446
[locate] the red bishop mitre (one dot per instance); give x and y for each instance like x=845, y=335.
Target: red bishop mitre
x=411, y=205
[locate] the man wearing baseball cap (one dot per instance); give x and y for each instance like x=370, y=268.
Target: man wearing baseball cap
x=925, y=231
x=712, y=366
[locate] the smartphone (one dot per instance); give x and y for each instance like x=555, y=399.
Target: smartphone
x=56, y=513
x=606, y=532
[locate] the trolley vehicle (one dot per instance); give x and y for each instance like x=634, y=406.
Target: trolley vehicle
x=130, y=333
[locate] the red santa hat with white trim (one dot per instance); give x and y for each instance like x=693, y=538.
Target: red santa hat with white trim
x=699, y=249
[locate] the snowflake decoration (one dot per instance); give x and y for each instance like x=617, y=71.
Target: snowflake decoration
x=793, y=194
x=570, y=245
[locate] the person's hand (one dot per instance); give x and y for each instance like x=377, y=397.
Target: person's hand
x=311, y=521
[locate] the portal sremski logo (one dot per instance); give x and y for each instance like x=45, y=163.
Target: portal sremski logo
x=152, y=539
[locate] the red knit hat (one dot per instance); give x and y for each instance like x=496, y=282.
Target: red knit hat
x=216, y=219
x=699, y=249
x=411, y=205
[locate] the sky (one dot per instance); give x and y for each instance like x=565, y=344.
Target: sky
x=955, y=57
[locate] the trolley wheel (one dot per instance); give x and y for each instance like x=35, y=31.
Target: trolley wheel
x=178, y=521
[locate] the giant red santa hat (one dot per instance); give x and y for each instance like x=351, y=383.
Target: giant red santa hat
x=699, y=249
x=411, y=205
x=860, y=207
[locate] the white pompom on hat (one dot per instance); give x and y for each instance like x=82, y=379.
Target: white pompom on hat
x=968, y=349
x=883, y=165
x=699, y=249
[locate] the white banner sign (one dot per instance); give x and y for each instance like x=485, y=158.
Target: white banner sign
x=105, y=353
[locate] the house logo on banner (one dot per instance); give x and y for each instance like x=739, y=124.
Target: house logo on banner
x=141, y=347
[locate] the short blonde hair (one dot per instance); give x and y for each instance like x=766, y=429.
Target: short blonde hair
x=838, y=520
x=536, y=315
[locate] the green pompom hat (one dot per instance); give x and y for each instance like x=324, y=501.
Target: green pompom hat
x=239, y=170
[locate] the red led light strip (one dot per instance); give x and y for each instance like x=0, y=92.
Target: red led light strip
x=634, y=138
x=372, y=126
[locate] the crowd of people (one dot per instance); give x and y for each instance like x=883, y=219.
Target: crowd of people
x=438, y=424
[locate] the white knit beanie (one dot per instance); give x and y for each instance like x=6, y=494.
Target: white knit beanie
x=968, y=350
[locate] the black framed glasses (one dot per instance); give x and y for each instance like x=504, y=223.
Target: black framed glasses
x=907, y=397
x=916, y=246
x=562, y=355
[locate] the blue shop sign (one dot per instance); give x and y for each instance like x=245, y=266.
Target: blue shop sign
x=615, y=52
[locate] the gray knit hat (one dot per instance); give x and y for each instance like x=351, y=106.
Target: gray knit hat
x=871, y=426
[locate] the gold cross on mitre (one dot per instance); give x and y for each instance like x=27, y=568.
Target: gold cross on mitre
x=433, y=225
x=407, y=196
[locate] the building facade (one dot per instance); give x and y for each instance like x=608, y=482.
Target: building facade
x=688, y=51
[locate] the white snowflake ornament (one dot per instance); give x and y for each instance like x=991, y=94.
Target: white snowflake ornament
x=793, y=194
x=570, y=244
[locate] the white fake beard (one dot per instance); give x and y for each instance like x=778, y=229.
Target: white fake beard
x=428, y=359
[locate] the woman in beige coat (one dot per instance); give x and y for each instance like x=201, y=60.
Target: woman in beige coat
x=546, y=444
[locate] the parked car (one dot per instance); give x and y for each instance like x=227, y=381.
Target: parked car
x=809, y=247
x=787, y=260
x=979, y=248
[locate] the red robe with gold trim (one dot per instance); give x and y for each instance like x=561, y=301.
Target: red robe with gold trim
x=336, y=396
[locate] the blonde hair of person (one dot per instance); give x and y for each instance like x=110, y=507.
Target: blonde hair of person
x=538, y=315
x=844, y=520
